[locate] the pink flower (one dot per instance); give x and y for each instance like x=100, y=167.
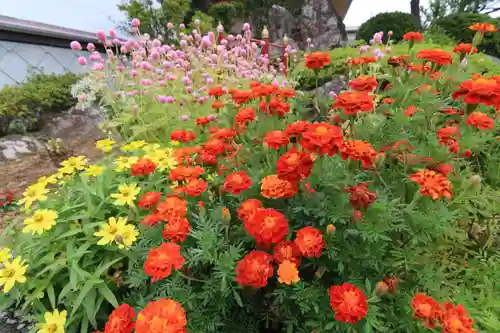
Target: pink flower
x=82, y=61
x=182, y=26
x=246, y=27
x=112, y=33
x=170, y=25
x=135, y=23
x=75, y=46
x=101, y=35
x=90, y=47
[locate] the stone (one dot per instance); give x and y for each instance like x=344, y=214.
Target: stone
x=317, y=20
x=336, y=85
x=320, y=23
x=9, y=153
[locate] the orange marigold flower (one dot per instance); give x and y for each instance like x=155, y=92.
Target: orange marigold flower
x=480, y=91
x=297, y=128
x=173, y=207
x=413, y=36
x=479, y=120
x=272, y=187
x=248, y=208
x=348, y=302
x=359, y=151
x=267, y=226
x=353, y=102
x=455, y=319
x=217, y=105
x=426, y=308
x=398, y=60
x=432, y=184
x=195, y=187
x=148, y=200
x=360, y=197
x=465, y=48
x=176, y=230
x=162, y=316
x=216, y=91
x=310, y=242
x=152, y=219
x=287, y=250
x=294, y=165
x=121, y=320
x=241, y=96
x=143, y=167
x=237, y=182
x=274, y=106
x=184, y=155
x=254, y=269
x=322, y=138
x=185, y=173
x=224, y=134
x=214, y=147
x=364, y=83
x=201, y=121
x=288, y=273
x=317, y=60
x=448, y=134
x=264, y=90
x=436, y=56
x=392, y=284
x=276, y=139
x=410, y=110
x=287, y=92
x=483, y=27
x=161, y=261
x=362, y=60
x=182, y=136
x=245, y=115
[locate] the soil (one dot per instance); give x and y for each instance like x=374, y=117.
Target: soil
x=17, y=175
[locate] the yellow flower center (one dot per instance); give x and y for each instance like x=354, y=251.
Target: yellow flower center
x=351, y=298
x=51, y=328
x=321, y=130
x=38, y=218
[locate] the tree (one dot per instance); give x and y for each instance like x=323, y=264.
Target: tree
x=415, y=9
x=154, y=15
x=440, y=8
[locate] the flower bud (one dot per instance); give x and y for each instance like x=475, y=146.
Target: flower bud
x=381, y=289
x=330, y=228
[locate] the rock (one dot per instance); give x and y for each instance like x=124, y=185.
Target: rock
x=337, y=85
x=276, y=52
x=13, y=146
x=10, y=323
x=317, y=20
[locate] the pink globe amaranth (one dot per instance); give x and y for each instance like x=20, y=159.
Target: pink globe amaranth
x=75, y=46
x=197, y=22
x=112, y=33
x=90, y=47
x=185, y=117
x=101, y=35
x=246, y=26
x=135, y=23
x=134, y=73
x=182, y=26
x=98, y=66
x=170, y=25
x=82, y=61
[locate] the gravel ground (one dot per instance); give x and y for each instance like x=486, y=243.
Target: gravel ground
x=9, y=323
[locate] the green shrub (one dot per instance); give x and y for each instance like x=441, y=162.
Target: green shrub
x=456, y=26
x=225, y=13
x=397, y=22
x=22, y=106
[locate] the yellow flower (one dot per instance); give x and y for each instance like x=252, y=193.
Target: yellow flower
x=54, y=322
x=35, y=192
x=73, y=164
x=134, y=145
x=5, y=254
x=105, y=145
x=174, y=143
x=149, y=148
x=12, y=272
x=124, y=163
x=42, y=220
x=163, y=158
x=45, y=181
x=93, y=170
x=117, y=231
x=126, y=194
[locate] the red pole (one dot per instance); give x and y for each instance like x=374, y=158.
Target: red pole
x=265, y=39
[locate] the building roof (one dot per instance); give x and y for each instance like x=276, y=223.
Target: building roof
x=12, y=24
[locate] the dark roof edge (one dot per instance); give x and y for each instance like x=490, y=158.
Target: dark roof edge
x=8, y=23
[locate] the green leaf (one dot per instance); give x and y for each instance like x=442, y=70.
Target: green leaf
x=52, y=295
x=85, y=325
x=329, y=326
x=68, y=234
x=89, y=305
x=67, y=288
x=238, y=298
x=85, y=290
x=107, y=294
x=101, y=270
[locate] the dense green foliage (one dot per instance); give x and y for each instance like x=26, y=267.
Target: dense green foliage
x=21, y=107
x=397, y=22
x=456, y=25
